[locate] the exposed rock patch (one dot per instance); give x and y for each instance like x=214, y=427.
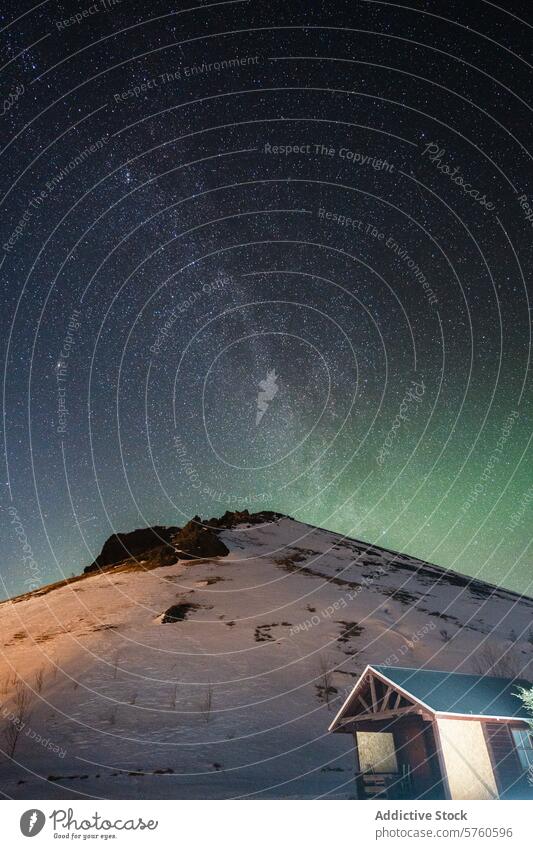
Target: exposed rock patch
x=178, y=612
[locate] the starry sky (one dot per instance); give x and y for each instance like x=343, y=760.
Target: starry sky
x=267, y=255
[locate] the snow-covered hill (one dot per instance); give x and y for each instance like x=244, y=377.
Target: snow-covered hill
x=213, y=677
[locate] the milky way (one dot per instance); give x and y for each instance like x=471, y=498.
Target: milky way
x=267, y=255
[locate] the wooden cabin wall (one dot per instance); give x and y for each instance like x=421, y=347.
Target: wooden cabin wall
x=467, y=761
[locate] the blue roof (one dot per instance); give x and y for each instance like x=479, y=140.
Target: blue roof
x=454, y=692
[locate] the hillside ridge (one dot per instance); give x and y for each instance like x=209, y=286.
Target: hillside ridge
x=165, y=537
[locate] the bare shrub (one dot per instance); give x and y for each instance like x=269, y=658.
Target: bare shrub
x=501, y=663
x=39, y=680
x=17, y=717
x=206, y=702
x=325, y=672
x=115, y=664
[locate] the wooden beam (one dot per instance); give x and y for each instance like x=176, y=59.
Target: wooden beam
x=389, y=714
x=386, y=698
x=385, y=714
x=440, y=758
x=398, y=700
x=373, y=693
x=364, y=703
x=356, y=753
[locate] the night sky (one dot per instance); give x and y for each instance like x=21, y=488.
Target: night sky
x=267, y=255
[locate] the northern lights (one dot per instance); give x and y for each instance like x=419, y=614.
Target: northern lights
x=170, y=238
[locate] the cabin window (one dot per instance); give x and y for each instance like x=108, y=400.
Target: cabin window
x=377, y=752
x=523, y=740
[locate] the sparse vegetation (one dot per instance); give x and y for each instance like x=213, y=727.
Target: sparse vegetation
x=18, y=717
x=39, y=680
x=115, y=664
x=325, y=687
x=206, y=702
x=491, y=660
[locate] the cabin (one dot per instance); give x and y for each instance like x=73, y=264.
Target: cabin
x=426, y=734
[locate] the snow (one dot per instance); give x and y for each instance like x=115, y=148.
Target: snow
x=225, y=703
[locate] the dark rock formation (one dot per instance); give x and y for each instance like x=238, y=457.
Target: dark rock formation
x=196, y=540
x=231, y=518
x=166, y=555
x=121, y=546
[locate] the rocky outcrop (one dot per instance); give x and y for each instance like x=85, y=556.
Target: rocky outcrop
x=197, y=540
x=119, y=547
x=231, y=518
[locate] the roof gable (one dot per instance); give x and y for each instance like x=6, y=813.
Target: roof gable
x=436, y=692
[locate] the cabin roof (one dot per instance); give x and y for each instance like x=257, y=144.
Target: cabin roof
x=442, y=693
x=456, y=692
